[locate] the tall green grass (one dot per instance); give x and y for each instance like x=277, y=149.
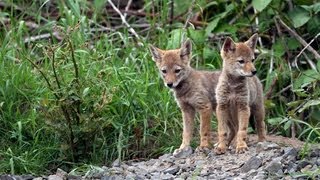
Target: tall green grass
x=95, y=96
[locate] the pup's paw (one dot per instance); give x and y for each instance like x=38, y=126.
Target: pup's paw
x=242, y=148
x=202, y=150
x=220, y=150
x=182, y=152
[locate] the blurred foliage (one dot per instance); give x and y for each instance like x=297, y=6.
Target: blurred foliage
x=78, y=88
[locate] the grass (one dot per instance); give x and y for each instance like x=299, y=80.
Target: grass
x=95, y=96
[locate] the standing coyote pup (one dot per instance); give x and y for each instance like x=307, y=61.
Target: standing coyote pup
x=239, y=95
x=194, y=92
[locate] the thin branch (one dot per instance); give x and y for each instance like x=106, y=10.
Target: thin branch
x=44, y=76
x=240, y=14
x=54, y=68
x=127, y=8
x=308, y=45
x=124, y=20
x=311, y=63
x=76, y=71
x=299, y=38
x=42, y=36
x=171, y=12
x=189, y=14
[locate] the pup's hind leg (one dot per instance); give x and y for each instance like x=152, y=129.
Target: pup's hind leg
x=259, y=113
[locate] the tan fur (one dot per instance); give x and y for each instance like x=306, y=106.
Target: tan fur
x=194, y=90
x=239, y=95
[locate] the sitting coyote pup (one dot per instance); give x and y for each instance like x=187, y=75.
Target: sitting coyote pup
x=239, y=94
x=194, y=92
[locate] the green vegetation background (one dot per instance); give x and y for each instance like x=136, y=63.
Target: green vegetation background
x=78, y=88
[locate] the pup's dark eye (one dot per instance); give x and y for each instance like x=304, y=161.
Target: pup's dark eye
x=164, y=71
x=253, y=60
x=241, y=61
x=177, y=71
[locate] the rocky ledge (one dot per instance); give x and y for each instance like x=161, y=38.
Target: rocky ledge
x=267, y=160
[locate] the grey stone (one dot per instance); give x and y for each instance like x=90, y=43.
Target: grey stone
x=315, y=152
x=264, y=146
x=38, y=178
x=116, y=163
x=253, y=163
x=172, y=170
x=54, y=177
x=302, y=164
x=165, y=156
x=73, y=177
x=166, y=176
x=291, y=167
x=290, y=154
x=274, y=167
x=261, y=175
x=183, y=153
x=112, y=177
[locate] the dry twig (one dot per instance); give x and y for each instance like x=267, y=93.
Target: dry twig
x=300, y=39
x=124, y=21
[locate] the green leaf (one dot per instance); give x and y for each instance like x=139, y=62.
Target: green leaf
x=212, y=25
x=294, y=103
x=278, y=48
x=318, y=65
x=293, y=43
x=305, y=79
x=260, y=5
x=299, y=16
x=316, y=8
x=287, y=125
x=198, y=36
x=313, y=102
x=275, y=121
x=175, y=39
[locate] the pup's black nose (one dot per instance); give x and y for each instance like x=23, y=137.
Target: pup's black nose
x=170, y=85
x=254, y=72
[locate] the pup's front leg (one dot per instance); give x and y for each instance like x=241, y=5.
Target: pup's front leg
x=222, y=116
x=243, y=118
x=205, y=126
x=188, y=114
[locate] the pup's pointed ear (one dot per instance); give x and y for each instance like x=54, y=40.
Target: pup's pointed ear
x=252, y=41
x=156, y=53
x=229, y=45
x=186, y=49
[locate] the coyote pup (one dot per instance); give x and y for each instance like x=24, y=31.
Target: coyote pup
x=194, y=92
x=239, y=95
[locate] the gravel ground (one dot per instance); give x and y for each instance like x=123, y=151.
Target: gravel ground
x=267, y=160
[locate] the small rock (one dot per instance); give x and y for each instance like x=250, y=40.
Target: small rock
x=178, y=178
x=172, y=170
x=61, y=172
x=306, y=168
x=302, y=164
x=38, y=178
x=274, y=167
x=253, y=163
x=73, y=177
x=315, y=153
x=264, y=146
x=112, y=177
x=290, y=154
x=165, y=156
x=54, y=177
x=260, y=175
x=165, y=176
x=183, y=153
x=291, y=167
x=116, y=163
